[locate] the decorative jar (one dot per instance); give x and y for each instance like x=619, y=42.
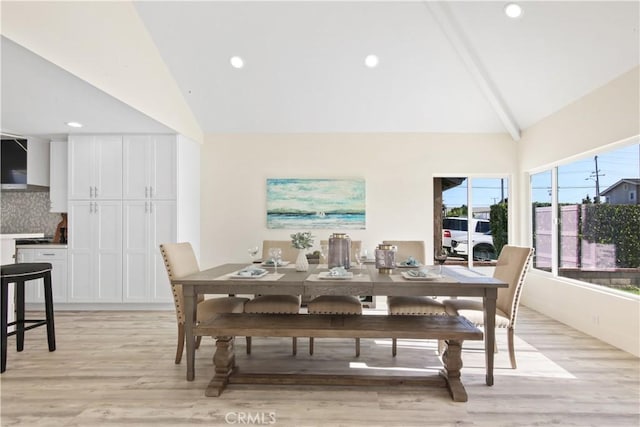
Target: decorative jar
x=385, y=258
x=339, y=250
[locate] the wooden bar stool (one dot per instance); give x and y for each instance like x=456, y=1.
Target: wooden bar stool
x=19, y=274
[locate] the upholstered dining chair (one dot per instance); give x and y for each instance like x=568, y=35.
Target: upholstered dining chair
x=180, y=261
x=411, y=306
x=407, y=248
x=511, y=267
x=289, y=253
x=275, y=304
x=337, y=304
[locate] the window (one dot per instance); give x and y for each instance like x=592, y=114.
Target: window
x=472, y=235
x=597, y=236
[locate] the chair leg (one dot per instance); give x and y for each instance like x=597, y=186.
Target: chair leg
x=394, y=346
x=4, y=321
x=19, y=315
x=248, y=345
x=357, y=347
x=311, y=346
x=180, y=348
x=198, y=341
x=294, y=345
x=48, y=302
x=512, y=350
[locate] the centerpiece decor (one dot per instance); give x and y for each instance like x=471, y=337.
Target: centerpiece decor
x=302, y=241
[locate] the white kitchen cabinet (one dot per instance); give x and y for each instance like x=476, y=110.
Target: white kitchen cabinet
x=34, y=292
x=149, y=167
x=95, y=251
x=147, y=224
x=58, y=176
x=95, y=167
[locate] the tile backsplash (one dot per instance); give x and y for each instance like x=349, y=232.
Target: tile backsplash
x=27, y=212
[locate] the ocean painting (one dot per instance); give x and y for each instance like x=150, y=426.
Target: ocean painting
x=316, y=203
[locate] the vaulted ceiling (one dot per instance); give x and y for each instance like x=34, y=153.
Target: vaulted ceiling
x=443, y=66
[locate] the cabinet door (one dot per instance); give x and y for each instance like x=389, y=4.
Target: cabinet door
x=81, y=167
x=163, y=167
x=58, y=260
x=163, y=230
x=58, y=176
x=136, y=244
x=136, y=167
x=108, y=251
x=108, y=167
x=80, y=263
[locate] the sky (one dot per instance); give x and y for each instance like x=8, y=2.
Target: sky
x=576, y=180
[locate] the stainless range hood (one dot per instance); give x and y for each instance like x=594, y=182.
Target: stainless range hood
x=24, y=163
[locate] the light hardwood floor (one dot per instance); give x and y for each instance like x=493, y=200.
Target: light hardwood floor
x=117, y=369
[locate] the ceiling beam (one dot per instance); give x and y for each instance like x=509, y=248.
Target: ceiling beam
x=443, y=16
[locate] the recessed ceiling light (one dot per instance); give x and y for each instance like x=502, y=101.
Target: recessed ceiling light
x=236, y=62
x=74, y=124
x=513, y=10
x=371, y=61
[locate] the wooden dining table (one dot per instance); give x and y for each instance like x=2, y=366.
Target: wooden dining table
x=455, y=281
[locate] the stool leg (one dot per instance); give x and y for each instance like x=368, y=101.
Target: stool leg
x=19, y=314
x=48, y=304
x=3, y=323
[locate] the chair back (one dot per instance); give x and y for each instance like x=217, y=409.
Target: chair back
x=289, y=253
x=511, y=267
x=407, y=248
x=179, y=261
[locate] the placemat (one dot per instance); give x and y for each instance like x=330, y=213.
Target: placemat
x=399, y=278
x=364, y=278
x=268, y=277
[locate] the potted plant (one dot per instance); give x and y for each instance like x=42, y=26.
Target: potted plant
x=301, y=241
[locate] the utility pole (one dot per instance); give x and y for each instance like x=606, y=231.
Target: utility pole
x=596, y=177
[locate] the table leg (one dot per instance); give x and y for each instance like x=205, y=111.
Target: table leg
x=452, y=361
x=189, y=322
x=490, y=297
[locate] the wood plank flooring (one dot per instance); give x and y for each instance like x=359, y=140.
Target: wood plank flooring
x=117, y=369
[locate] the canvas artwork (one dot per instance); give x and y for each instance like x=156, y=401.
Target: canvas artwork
x=316, y=203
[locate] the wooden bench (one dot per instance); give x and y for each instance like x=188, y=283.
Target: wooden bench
x=453, y=330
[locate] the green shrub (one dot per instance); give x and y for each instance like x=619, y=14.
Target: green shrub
x=499, y=225
x=614, y=224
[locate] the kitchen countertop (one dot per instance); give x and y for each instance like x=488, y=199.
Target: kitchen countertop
x=42, y=245
x=22, y=236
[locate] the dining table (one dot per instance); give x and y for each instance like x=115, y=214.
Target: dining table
x=455, y=281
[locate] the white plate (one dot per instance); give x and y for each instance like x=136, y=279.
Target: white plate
x=325, y=275
x=426, y=278
x=280, y=264
x=239, y=276
x=409, y=266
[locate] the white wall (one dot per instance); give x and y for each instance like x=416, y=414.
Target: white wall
x=607, y=117
x=188, y=197
x=398, y=170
